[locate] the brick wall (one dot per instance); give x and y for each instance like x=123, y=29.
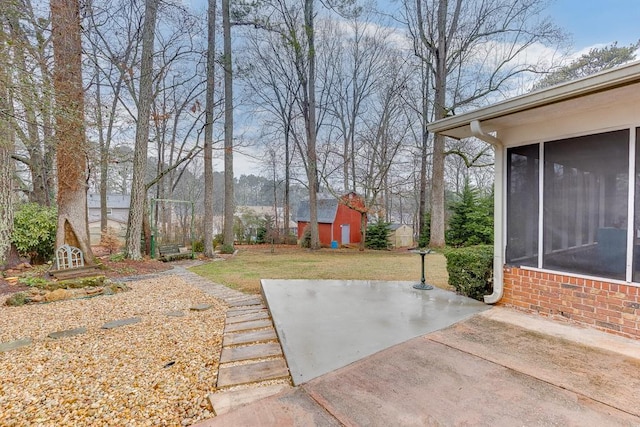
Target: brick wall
x=610, y=307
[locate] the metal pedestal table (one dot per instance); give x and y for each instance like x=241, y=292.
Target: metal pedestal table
x=423, y=284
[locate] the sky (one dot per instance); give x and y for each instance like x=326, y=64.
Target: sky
x=598, y=22
x=590, y=23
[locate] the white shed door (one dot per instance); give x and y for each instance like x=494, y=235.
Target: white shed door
x=346, y=232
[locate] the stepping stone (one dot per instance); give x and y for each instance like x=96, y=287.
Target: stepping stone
x=201, y=307
x=255, y=351
x=68, y=333
x=249, y=337
x=225, y=401
x=246, y=326
x=245, y=302
x=240, y=311
x=254, y=372
x=121, y=322
x=222, y=294
x=12, y=345
x=174, y=314
x=258, y=315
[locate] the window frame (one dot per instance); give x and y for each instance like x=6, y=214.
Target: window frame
x=631, y=223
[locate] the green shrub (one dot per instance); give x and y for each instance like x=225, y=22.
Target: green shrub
x=117, y=257
x=305, y=240
x=17, y=299
x=34, y=231
x=198, y=246
x=471, y=270
x=218, y=239
x=378, y=235
x=227, y=249
x=37, y=282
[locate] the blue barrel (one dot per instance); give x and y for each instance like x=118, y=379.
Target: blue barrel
x=334, y=244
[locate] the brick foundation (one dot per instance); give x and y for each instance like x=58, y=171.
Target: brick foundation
x=611, y=307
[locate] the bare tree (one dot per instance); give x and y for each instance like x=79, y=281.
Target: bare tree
x=229, y=203
x=110, y=76
x=357, y=68
x=208, y=130
x=298, y=36
x=71, y=150
x=274, y=87
x=138, y=190
x=380, y=144
x=471, y=49
x=31, y=112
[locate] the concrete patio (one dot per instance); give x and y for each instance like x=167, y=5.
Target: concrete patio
x=324, y=325
x=380, y=354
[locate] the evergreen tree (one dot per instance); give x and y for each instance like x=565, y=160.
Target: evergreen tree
x=472, y=220
x=598, y=59
x=377, y=236
x=425, y=235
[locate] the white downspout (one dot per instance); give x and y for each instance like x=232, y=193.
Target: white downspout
x=498, y=241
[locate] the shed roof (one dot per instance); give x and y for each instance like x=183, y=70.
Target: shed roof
x=571, y=95
x=327, y=209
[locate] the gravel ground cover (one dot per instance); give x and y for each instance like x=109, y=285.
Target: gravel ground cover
x=154, y=373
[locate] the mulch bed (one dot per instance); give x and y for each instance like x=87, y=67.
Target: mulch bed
x=6, y=288
x=113, y=270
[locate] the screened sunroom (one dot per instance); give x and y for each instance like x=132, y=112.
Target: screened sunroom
x=568, y=205
x=567, y=197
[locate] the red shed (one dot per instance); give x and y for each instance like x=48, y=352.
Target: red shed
x=336, y=220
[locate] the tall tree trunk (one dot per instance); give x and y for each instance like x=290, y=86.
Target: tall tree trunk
x=138, y=192
x=287, y=183
x=437, y=172
x=6, y=148
x=104, y=154
x=229, y=203
x=422, y=204
x=208, y=130
x=73, y=226
x=310, y=124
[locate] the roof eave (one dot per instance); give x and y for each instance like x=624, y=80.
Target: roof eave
x=458, y=126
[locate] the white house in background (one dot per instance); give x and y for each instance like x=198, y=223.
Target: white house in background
x=567, y=198
x=264, y=211
x=117, y=215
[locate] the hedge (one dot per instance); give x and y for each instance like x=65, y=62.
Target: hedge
x=471, y=270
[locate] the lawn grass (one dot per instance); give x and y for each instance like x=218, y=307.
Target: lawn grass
x=244, y=271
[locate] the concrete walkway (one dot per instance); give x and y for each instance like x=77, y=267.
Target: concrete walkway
x=491, y=369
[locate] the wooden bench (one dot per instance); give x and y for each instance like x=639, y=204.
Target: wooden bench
x=171, y=253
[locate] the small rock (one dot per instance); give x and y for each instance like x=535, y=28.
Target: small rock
x=121, y=322
x=186, y=421
x=57, y=295
x=201, y=307
x=67, y=333
x=12, y=345
x=36, y=298
x=174, y=314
